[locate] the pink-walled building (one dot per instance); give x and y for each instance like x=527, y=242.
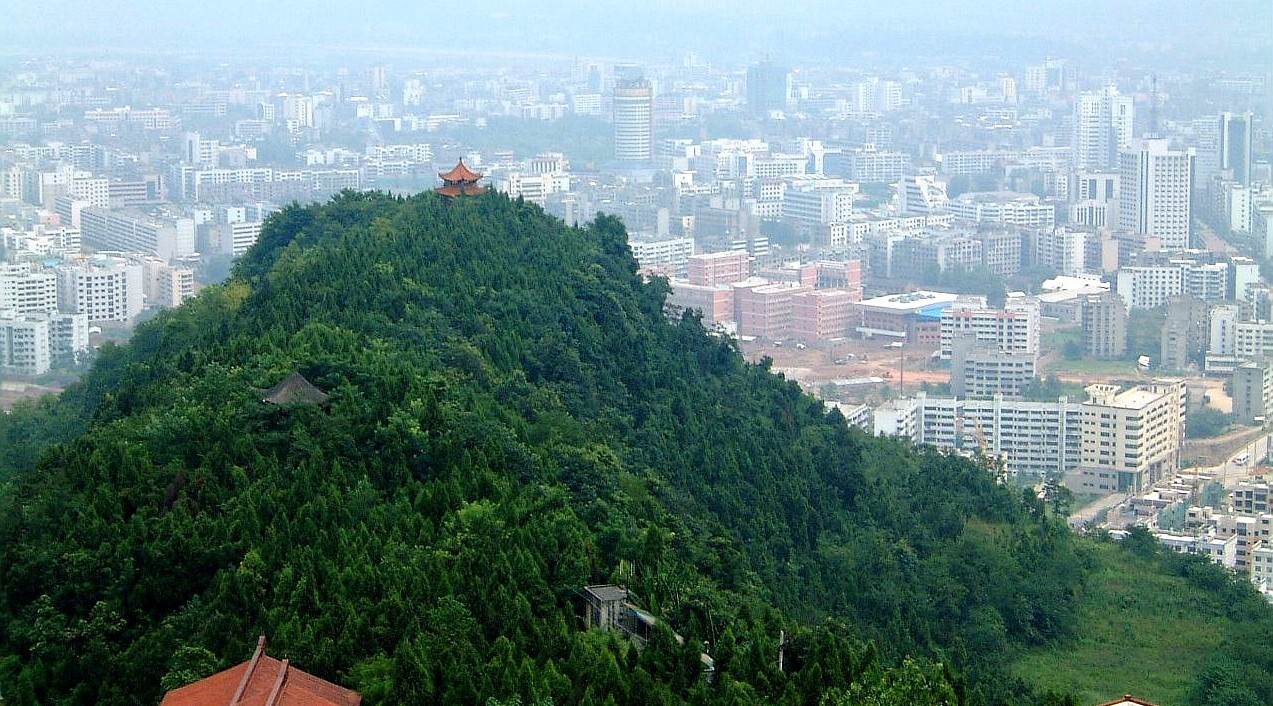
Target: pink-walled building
x=715, y=302
x=822, y=314
x=846, y=275
x=708, y=269
x=765, y=310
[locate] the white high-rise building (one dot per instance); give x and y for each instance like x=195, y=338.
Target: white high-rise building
x=1131, y=438
x=1155, y=188
x=104, y=289
x=633, y=120
x=1013, y=329
x=1032, y=438
x=199, y=152
x=94, y=190
x=921, y=195
x=818, y=200
x=298, y=109
x=1149, y=286
x=25, y=292
x=1102, y=125
x=24, y=345
x=1061, y=249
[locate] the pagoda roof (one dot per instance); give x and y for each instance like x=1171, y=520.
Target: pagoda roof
x=460, y=172
x=294, y=390
x=262, y=681
x=453, y=190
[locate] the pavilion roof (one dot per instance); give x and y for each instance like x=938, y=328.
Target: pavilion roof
x=459, y=173
x=294, y=390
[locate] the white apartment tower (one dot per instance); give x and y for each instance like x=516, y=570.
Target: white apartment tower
x=1155, y=183
x=1131, y=438
x=921, y=195
x=24, y=346
x=1102, y=125
x=633, y=119
x=106, y=289
x=24, y=291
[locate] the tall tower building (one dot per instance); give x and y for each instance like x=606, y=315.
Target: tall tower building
x=768, y=87
x=633, y=116
x=1235, y=146
x=1102, y=125
x=1155, y=190
x=1205, y=140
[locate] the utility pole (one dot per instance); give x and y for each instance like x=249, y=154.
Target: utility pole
x=901, y=371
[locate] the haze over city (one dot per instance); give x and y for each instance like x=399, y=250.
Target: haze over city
x=610, y=354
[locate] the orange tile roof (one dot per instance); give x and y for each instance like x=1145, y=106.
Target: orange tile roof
x=1127, y=699
x=262, y=681
x=460, y=173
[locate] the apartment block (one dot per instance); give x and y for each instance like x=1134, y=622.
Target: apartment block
x=24, y=346
x=135, y=231
x=165, y=285
x=1004, y=208
x=765, y=310
x=666, y=256
x=1131, y=438
x=1147, y=287
x=1061, y=249
x=845, y=275
x=978, y=371
x=1105, y=326
x=1015, y=328
x=24, y=290
x=1184, y=333
x=1250, y=498
x=708, y=269
x=1155, y=192
x=822, y=314
x=714, y=302
x=1032, y=438
x=102, y=288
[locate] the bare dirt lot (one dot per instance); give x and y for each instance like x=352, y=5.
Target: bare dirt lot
x=11, y=392
x=818, y=364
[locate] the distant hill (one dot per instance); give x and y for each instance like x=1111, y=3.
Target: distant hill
x=504, y=413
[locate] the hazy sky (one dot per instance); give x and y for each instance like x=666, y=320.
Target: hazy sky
x=645, y=28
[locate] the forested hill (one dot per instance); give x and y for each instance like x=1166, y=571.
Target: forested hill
x=512, y=416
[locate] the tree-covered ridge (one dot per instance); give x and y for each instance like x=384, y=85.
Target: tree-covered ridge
x=512, y=417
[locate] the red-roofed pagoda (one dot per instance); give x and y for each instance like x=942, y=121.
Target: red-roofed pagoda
x=460, y=181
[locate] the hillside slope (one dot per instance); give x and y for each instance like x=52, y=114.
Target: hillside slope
x=512, y=416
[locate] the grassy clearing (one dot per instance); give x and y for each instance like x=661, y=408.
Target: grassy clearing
x=1141, y=633
x=1093, y=367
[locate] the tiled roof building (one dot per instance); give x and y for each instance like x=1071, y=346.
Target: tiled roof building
x=262, y=681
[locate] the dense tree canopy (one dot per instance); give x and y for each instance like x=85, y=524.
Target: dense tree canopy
x=512, y=416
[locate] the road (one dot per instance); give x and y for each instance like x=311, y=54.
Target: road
x=1086, y=515
x=1228, y=474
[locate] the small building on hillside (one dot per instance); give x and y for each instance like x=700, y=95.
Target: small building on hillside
x=609, y=607
x=295, y=390
x=262, y=681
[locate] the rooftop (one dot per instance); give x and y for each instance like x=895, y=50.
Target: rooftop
x=262, y=681
x=294, y=390
x=910, y=301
